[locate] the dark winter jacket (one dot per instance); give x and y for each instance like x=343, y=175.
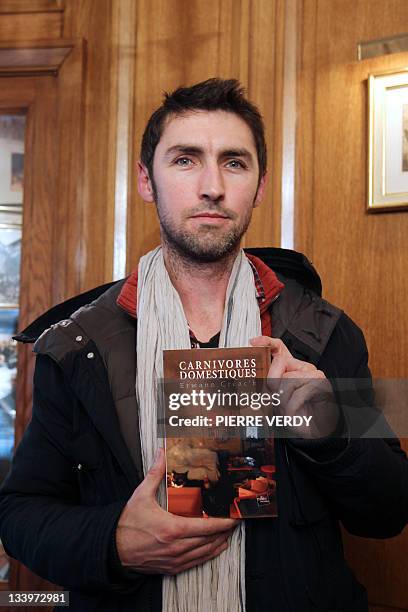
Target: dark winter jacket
x=79, y=462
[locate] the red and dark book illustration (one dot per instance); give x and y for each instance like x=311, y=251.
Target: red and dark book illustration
x=214, y=469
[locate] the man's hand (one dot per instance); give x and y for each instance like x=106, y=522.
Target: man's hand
x=153, y=541
x=306, y=391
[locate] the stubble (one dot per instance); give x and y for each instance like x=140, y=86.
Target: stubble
x=206, y=243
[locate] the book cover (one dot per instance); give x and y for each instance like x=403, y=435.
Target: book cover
x=219, y=460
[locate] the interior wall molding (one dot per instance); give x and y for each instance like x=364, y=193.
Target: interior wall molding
x=32, y=6
x=34, y=57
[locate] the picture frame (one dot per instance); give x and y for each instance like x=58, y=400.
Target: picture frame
x=388, y=141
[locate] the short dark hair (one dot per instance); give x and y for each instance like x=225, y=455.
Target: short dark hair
x=211, y=95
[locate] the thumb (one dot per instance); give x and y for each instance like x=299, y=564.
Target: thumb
x=260, y=341
x=155, y=475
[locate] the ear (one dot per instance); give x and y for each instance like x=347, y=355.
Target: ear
x=261, y=190
x=144, y=184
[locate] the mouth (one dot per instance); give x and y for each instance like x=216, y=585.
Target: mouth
x=209, y=215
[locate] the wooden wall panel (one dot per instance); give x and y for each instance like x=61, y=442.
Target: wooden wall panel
x=361, y=257
x=69, y=229
x=265, y=53
x=31, y=6
x=23, y=26
x=95, y=21
x=39, y=193
x=182, y=42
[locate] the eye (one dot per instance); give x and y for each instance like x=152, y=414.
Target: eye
x=236, y=163
x=183, y=161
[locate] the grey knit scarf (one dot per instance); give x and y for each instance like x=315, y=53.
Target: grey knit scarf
x=219, y=584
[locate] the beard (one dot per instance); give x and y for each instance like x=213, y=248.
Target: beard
x=207, y=243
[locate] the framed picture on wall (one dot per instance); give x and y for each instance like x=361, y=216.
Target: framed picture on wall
x=388, y=141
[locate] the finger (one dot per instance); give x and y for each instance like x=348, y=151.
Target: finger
x=282, y=361
x=182, y=545
x=164, y=558
x=154, y=476
x=298, y=364
x=320, y=406
x=277, y=346
x=189, y=544
x=207, y=547
x=204, y=527
x=286, y=363
x=265, y=341
x=277, y=368
x=305, y=373
x=204, y=559
x=282, y=357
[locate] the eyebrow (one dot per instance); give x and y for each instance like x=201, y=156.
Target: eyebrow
x=189, y=149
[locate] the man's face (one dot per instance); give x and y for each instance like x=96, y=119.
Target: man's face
x=205, y=172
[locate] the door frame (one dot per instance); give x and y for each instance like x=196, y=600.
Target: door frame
x=48, y=79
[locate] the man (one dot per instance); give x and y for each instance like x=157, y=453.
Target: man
x=79, y=506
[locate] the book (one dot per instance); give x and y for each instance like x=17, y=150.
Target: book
x=220, y=457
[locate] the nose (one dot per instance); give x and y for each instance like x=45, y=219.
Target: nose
x=211, y=185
